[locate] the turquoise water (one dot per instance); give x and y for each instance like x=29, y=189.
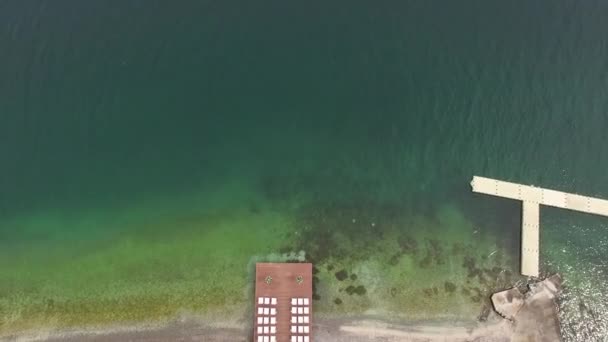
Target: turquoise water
x=151, y=151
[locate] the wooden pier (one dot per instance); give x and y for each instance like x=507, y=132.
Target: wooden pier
x=532, y=197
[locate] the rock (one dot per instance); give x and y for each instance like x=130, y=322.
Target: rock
x=534, y=314
x=394, y=260
x=350, y=289
x=341, y=275
x=508, y=303
x=408, y=244
x=359, y=290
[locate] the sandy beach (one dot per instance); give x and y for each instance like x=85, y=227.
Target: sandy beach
x=326, y=330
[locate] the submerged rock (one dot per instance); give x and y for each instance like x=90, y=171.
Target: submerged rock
x=394, y=260
x=341, y=275
x=359, y=290
x=449, y=287
x=408, y=244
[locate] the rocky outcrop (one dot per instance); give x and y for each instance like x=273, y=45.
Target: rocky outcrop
x=533, y=314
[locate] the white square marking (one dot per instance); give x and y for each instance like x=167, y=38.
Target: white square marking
x=260, y=320
x=261, y=300
x=260, y=311
x=300, y=301
x=294, y=310
x=265, y=320
x=306, y=329
x=294, y=301
x=306, y=339
x=273, y=320
x=305, y=301
x=294, y=319
x=266, y=300
x=306, y=311
x=300, y=311
x=266, y=311
x=294, y=339
x=273, y=329
x=305, y=319
x=300, y=329
x=300, y=319
x=266, y=330
x=273, y=301
x=260, y=339
x=259, y=330
x=294, y=329
x=300, y=339
x=273, y=311
x=274, y=339
x=266, y=339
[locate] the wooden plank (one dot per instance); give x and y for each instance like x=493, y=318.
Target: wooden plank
x=553, y=198
x=508, y=190
x=598, y=205
x=577, y=202
x=530, y=239
x=494, y=187
x=531, y=194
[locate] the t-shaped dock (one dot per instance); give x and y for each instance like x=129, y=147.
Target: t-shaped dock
x=532, y=197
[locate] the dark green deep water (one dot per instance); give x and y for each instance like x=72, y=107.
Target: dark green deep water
x=130, y=131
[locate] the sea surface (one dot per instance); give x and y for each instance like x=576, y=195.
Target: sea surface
x=152, y=151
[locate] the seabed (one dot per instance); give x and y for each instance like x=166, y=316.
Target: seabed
x=377, y=268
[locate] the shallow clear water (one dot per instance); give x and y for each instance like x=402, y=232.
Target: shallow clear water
x=151, y=152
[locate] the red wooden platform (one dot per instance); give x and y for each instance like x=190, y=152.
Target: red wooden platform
x=283, y=302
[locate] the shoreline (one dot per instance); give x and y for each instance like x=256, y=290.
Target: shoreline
x=359, y=328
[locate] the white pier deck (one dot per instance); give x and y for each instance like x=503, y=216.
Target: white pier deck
x=532, y=197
